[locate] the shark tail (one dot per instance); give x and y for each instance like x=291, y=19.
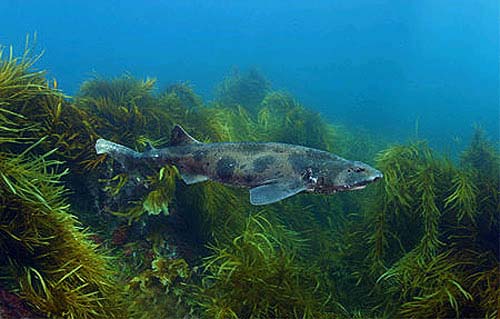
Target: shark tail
x=126, y=156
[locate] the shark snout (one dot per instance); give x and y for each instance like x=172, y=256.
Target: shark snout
x=378, y=175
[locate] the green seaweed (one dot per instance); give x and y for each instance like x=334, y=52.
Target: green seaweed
x=444, y=250
x=158, y=292
x=421, y=243
x=247, y=89
x=257, y=275
x=413, y=224
x=46, y=257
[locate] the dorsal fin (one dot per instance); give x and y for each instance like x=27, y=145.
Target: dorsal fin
x=179, y=137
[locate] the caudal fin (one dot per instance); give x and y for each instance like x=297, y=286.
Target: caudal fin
x=121, y=153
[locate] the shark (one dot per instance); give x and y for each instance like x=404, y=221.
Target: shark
x=272, y=171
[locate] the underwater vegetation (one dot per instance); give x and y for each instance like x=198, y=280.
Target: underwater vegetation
x=166, y=276
x=258, y=275
x=447, y=248
x=247, y=89
x=47, y=258
x=82, y=237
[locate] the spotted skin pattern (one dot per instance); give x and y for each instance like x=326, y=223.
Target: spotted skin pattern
x=283, y=169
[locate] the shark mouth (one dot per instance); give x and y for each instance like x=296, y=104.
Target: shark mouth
x=353, y=188
x=356, y=186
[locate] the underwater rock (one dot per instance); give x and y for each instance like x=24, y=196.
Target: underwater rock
x=13, y=307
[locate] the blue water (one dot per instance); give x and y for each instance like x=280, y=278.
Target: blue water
x=426, y=68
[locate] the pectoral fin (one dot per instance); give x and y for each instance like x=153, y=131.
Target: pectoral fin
x=274, y=192
x=193, y=179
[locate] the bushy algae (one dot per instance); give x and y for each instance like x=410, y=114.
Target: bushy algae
x=421, y=243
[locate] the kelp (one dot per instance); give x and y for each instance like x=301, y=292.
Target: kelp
x=482, y=160
x=273, y=119
x=287, y=121
x=17, y=79
x=34, y=104
x=19, y=84
x=145, y=194
x=373, y=248
x=428, y=215
x=421, y=243
x=184, y=92
x=128, y=111
x=121, y=103
x=159, y=291
x=204, y=206
x=46, y=257
x=257, y=276
x=247, y=89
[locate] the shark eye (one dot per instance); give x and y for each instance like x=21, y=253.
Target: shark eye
x=356, y=170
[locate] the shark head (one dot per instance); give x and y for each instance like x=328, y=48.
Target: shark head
x=342, y=176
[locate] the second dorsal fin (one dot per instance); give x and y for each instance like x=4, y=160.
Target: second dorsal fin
x=180, y=137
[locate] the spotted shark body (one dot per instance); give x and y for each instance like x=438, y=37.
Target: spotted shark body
x=272, y=171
